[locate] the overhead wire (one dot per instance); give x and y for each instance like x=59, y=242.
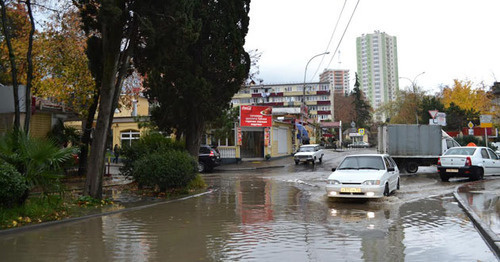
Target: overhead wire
x=347, y=26
x=331, y=38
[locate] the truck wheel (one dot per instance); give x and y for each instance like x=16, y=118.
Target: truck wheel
x=444, y=177
x=411, y=167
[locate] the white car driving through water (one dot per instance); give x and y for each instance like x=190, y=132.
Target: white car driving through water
x=309, y=153
x=364, y=176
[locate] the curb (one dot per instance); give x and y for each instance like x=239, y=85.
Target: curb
x=27, y=228
x=491, y=239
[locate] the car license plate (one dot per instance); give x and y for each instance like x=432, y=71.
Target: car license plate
x=452, y=170
x=350, y=190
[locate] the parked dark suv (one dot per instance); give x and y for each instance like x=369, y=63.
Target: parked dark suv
x=208, y=158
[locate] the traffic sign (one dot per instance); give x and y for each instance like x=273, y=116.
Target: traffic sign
x=433, y=113
x=361, y=131
x=470, y=124
x=486, y=120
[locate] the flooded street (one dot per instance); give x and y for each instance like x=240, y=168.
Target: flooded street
x=278, y=214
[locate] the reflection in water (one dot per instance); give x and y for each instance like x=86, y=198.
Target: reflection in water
x=251, y=218
x=485, y=203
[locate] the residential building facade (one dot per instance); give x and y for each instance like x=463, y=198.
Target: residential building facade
x=377, y=63
x=318, y=97
x=339, y=79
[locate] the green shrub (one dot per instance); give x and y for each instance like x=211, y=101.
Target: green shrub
x=166, y=170
x=13, y=188
x=197, y=183
x=146, y=145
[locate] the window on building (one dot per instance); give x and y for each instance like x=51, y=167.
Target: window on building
x=128, y=137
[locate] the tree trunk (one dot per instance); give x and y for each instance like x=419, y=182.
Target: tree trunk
x=12, y=59
x=85, y=140
x=29, y=78
x=112, y=36
x=193, y=135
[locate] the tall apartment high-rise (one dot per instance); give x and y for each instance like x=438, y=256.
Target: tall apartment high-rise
x=378, y=68
x=338, y=78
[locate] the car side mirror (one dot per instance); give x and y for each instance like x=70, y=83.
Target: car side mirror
x=391, y=169
x=333, y=169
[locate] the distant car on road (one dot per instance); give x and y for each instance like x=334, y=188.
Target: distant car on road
x=309, y=153
x=208, y=158
x=359, y=144
x=364, y=176
x=473, y=162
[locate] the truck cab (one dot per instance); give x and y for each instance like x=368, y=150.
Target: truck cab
x=447, y=142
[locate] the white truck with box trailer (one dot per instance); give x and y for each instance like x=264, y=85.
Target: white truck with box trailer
x=412, y=146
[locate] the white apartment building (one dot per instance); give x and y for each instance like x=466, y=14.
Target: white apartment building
x=378, y=68
x=318, y=96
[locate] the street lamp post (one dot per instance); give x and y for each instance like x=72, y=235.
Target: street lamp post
x=304, y=93
x=414, y=81
x=414, y=86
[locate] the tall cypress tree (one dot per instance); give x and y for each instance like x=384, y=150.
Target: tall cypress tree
x=194, y=61
x=361, y=106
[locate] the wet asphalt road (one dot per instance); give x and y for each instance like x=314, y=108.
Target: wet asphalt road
x=277, y=214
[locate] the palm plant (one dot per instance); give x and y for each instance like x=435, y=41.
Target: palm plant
x=40, y=161
x=64, y=135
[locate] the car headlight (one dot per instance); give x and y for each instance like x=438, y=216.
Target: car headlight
x=333, y=182
x=371, y=182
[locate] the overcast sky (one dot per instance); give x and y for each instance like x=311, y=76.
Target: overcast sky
x=446, y=39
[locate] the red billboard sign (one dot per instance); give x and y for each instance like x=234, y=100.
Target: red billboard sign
x=256, y=116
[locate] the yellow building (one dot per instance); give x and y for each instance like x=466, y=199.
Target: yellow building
x=125, y=128
x=44, y=112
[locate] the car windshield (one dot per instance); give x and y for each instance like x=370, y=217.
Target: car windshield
x=306, y=149
x=463, y=151
x=362, y=162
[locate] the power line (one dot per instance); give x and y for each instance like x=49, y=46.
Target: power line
x=331, y=38
x=336, y=49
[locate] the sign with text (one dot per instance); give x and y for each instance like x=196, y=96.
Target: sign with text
x=256, y=116
x=486, y=121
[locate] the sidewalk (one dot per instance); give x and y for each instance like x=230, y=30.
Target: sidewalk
x=256, y=164
x=480, y=200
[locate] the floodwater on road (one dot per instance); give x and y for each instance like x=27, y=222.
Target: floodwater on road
x=258, y=216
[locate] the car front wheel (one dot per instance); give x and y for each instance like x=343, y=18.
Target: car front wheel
x=201, y=167
x=386, y=190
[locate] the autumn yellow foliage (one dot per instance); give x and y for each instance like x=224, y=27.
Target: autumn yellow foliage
x=466, y=97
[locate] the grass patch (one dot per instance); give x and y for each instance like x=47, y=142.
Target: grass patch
x=35, y=210
x=41, y=208
x=38, y=209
